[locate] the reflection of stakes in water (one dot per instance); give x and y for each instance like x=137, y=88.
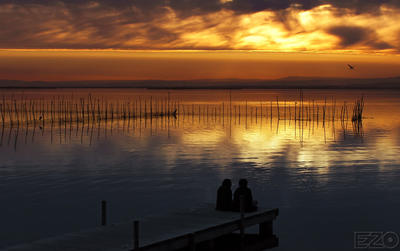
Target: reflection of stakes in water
x=129, y=120
x=26, y=135
x=16, y=112
x=333, y=109
x=172, y=114
x=98, y=129
x=99, y=123
x=16, y=139
x=70, y=131
x=313, y=111
x=183, y=111
x=192, y=113
x=26, y=113
x=309, y=129
x=2, y=135
x=239, y=113
x=207, y=113
x=65, y=129
x=256, y=114
x=301, y=106
x=10, y=116
x=358, y=128
x=302, y=119
x=9, y=136
x=284, y=109
x=198, y=111
x=42, y=128
x=313, y=118
x=358, y=109
x=230, y=104
x=51, y=132
x=223, y=113
x=168, y=128
x=91, y=135
x=277, y=126
x=277, y=108
x=33, y=134
x=77, y=128
x=97, y=108
x=246, y=114
x=2, y=113
x=235, y=114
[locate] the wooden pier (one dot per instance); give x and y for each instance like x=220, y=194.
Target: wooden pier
x=202, y=228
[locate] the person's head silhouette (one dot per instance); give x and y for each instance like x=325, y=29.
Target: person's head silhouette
x=227, y=183
x=243, y=183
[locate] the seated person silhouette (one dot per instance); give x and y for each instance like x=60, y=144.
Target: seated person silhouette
x=224, y=196
x=243, y=190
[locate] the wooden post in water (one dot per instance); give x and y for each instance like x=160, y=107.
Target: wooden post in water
x=136, y=235
x=103, y=213
x=265, y=229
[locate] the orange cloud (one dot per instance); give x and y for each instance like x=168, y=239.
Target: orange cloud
x=94, y=25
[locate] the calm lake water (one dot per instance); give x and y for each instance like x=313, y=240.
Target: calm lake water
x=329, y=177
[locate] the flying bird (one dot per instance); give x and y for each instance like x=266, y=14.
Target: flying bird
x=351, y=67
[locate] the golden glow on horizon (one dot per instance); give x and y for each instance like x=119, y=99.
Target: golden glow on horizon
x=62, y=65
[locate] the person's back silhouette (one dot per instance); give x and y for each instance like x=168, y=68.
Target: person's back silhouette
x=248, y=203
x=224, y=196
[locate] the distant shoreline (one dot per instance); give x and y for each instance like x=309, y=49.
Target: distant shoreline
x=212, y=84
x=208, y=88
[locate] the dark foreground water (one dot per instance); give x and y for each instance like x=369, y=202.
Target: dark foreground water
x=328, y=179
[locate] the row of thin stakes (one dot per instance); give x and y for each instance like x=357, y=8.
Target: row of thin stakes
x=15, y=111
x=63, y=109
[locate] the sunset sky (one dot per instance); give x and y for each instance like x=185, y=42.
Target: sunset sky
x=198, y=39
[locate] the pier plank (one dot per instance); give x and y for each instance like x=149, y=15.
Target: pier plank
x=156, y=233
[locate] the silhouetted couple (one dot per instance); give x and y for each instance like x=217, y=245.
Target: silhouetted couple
x=224, y=197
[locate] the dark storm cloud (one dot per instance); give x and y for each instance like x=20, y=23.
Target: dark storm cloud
x=349, y=35
x=241, y=6
x=355, y=35
x=187, y=7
